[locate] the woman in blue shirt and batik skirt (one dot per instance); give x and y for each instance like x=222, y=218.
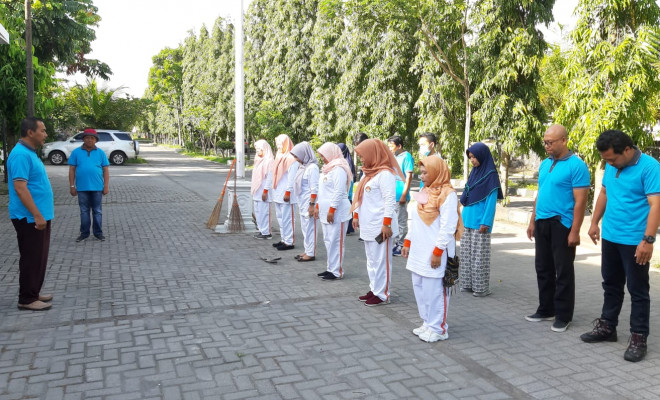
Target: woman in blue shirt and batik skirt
x=479, y=199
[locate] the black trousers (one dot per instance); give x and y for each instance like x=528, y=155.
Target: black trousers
x=33, y=246
x=618, y=267
x=555, y=271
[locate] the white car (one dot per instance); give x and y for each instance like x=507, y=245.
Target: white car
x=117, y=146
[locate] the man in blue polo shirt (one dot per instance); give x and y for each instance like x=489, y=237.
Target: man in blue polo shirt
x=31, y=210
x=407, y=164
x=629, y=204
x=89, y=178
x=564, y=183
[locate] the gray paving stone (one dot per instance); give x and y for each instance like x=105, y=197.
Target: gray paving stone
x=166, y=309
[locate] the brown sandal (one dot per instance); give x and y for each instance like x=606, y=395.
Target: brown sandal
x=300, y=259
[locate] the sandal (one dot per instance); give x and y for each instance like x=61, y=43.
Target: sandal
x=300, y=259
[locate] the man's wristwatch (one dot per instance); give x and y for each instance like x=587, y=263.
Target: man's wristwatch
x=649, y=239
x=73, y=186
x=387, y=226
x=312, y=204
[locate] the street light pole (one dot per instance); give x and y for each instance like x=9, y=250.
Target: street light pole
x=238, y=95
x=28, y=58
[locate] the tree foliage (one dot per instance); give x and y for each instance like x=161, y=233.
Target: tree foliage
x=612, y=72
x=97, y=107
x=62, y=36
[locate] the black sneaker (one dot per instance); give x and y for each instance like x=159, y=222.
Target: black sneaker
x=100, y=237
x=536, y=317
x=601, y=333
x=262, y=236
x=285, y=247
x=322, y=274
x=636, y=350
x=560, y=326
x=330, y=277
x=81, y=238
x=278, y=243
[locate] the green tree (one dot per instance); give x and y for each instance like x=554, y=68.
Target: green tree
x=165, y=88
x=510, y=49
x=612, y=73
x=91, y=106
x=63, y=31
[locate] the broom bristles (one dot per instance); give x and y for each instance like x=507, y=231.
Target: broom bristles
x=235, y=218
x=214, y=219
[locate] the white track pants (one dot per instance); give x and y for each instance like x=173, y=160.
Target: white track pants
x=287, y=222
x=308, y=227
x=432, y=302
x=262, y=214
x=334, y=237
x=379, y=266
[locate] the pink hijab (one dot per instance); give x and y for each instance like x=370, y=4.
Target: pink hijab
x=261, y=164
x=335, y=158
x=283, y=159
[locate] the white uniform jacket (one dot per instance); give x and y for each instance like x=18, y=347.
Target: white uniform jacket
x=378, y=202
x=424, y=238
x=333, y=193
x=286, y=185
x=310, y=185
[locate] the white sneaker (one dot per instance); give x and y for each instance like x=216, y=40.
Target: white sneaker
x=430, y=336
x=420, y=330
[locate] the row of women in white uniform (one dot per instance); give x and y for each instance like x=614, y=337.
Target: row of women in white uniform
x=322, y=195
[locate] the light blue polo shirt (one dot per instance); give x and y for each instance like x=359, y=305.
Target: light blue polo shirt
x=628, y=189
x=23, y=164
x=89, y=168
x=557, y=179
x=407, y=164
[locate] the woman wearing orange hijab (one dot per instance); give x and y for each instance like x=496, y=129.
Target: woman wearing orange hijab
x=430, y=240
x=374, y=205
x=284, y=171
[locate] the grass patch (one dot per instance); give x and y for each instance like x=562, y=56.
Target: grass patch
x=523, y=185
x=217, y=159
x=138, y=160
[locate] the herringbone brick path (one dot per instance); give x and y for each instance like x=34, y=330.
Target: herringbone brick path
x=165, y=309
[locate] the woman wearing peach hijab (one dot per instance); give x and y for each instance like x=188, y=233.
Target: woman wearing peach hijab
x=262, y=178
x=284, y=171
x=430, y=240
x=334, y=209
x=374, y=205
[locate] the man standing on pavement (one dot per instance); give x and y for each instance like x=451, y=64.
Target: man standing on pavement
x=31, y=211
x=557, y=215
x=407, y=164
x=629, y=204
x=89, y=178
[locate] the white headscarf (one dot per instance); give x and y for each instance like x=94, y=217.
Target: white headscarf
x=304, y=152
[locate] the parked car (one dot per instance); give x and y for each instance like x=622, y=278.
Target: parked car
x=117, y=146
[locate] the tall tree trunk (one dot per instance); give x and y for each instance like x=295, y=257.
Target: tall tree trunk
x=504, y=172
x=28, y=58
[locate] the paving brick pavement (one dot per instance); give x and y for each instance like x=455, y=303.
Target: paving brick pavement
x=166, y=309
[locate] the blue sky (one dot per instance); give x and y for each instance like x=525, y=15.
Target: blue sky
x=133, y=31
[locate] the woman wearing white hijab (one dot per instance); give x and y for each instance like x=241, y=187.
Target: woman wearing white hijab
x=334, y=209
x=306, y=187
x=261, y=181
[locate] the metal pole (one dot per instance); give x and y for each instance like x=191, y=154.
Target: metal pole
x=28, y=58
x=238, y=88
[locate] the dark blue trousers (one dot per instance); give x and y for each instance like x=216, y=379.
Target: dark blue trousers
x=619, y=268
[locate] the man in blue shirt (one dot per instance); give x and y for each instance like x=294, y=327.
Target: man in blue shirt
x=89, y=178
x=31, y=210
x=564, y=183
x=629, y=204
x=407, y=164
